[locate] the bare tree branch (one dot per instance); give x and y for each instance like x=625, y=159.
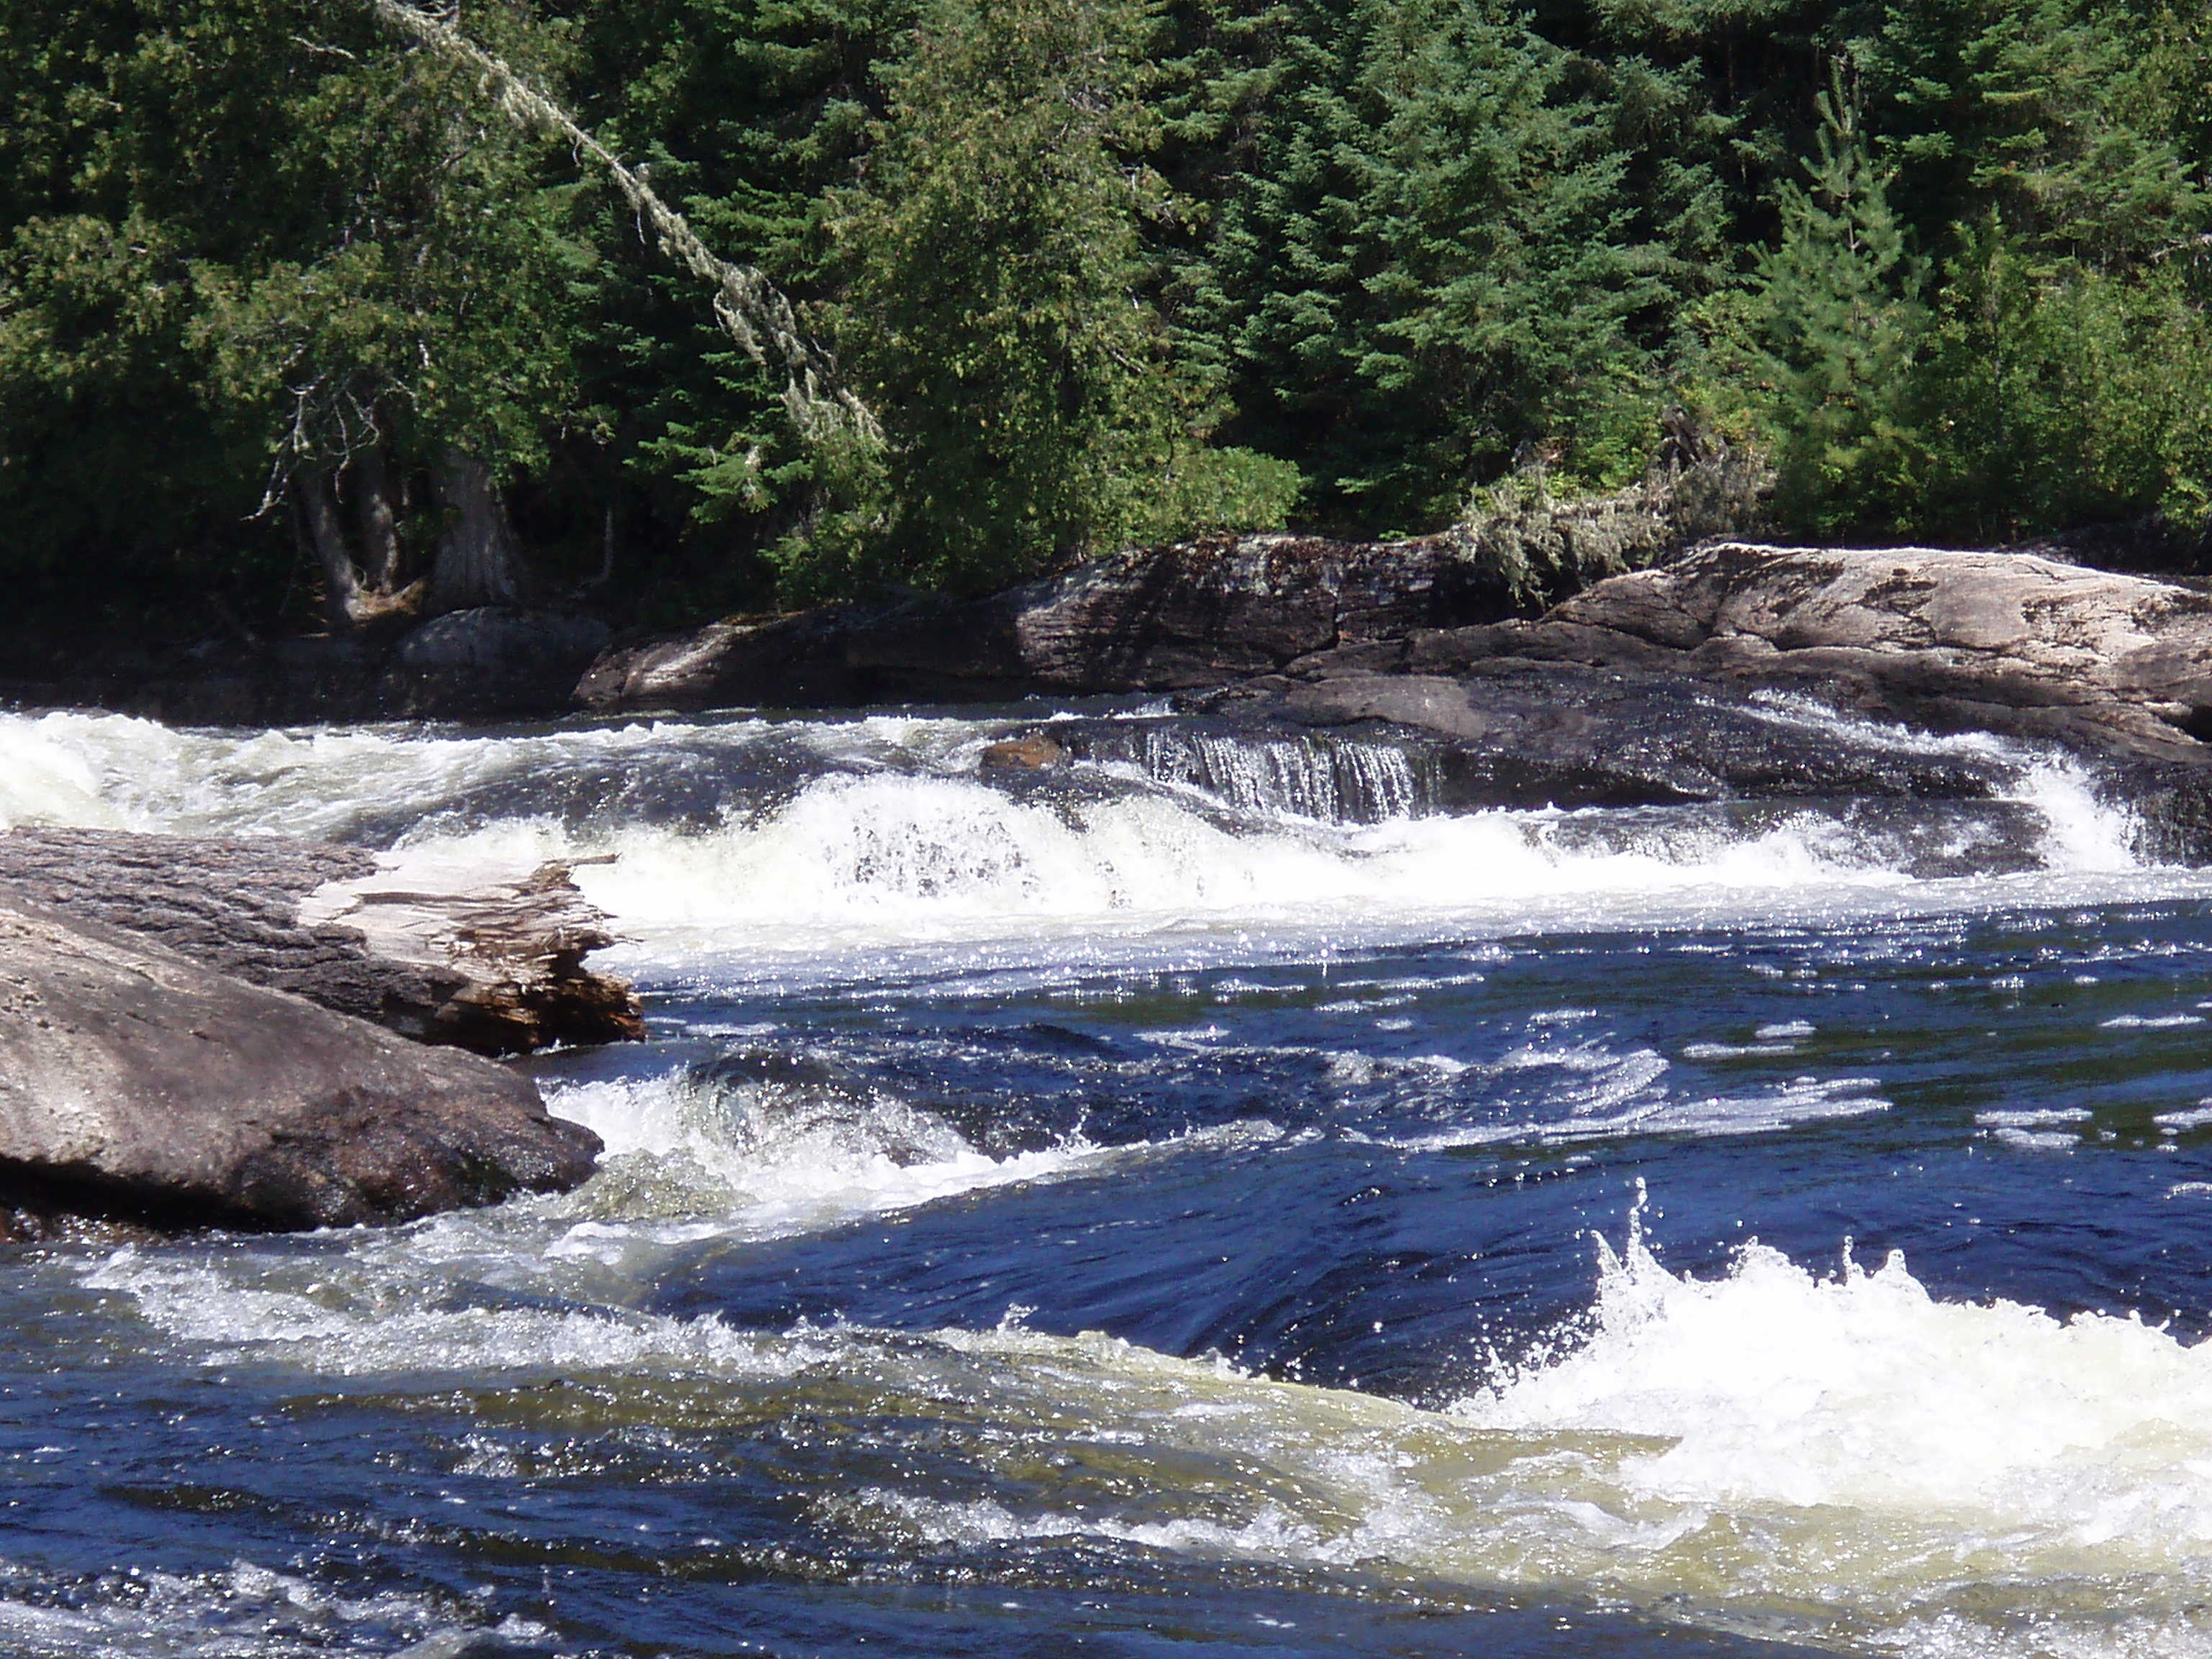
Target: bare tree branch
x=757, y=313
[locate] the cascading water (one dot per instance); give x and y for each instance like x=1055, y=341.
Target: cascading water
x=1191, y=1194
x=1335, y=781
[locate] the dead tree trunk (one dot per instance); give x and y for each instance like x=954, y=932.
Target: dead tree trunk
x=478, y=560
x=378, y=520
x=757, y=314
x=353, y=598
x=311, y=499
x=495, y=963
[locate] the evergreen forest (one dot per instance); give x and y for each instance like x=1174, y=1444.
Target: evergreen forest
x=316, y=311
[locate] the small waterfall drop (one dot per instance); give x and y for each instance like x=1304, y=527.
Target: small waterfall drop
x=1332, y=782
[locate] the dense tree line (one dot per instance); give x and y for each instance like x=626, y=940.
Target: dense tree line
x=300, y=307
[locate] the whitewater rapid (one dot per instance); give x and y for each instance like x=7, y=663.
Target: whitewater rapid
x=1842, y=1457
x=747, y=845
x=951, y=1069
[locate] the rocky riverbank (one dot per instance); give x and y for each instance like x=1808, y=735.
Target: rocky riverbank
x=265, y=1033
x=208, y=1031
x=1656, y=687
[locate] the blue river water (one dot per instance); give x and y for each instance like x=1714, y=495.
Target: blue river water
x=1136, y=1215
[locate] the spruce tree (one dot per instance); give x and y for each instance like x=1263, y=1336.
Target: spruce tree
x=1438, y=266
x=1840, y=321
x=993, y=306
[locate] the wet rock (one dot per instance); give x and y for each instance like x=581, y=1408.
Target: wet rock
x=1647, y=681
x=1192, y=614
x=139, y=1084
x=1514, y=733
x=1033, y=753
x=779, y=662
x=490, y=663
x=466, y=957
x=1960, y=641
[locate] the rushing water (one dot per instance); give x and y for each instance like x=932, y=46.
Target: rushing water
x=1198, y=1201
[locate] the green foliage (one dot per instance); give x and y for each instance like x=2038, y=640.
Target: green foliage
x=2064, y=394
x=2049, y=113
x=994, y=260
x=1105, y=272
x=1439, y=264
x=289, y=239
x=1836, y=325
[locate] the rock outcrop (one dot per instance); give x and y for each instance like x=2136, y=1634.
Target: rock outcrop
x=1963, y=640
x=451, y=957
x=1186, y=616
x=1662, y=680
x=139, y=1084
x=1522, y=735
x=494, y=662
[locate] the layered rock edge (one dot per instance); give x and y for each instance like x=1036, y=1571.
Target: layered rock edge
x=491, y=962
x=140, y=1085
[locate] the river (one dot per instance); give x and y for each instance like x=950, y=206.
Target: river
x=1205, y=1202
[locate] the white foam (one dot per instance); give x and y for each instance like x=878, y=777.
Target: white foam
x=1842, y=1459
x=1272, y=1535
x=1783, y=1028
x=2036, y=1141
x=2046, y=1118
x=1606, y=1095
x=898, y=845
x=1769, y=1385
x=746, y=1163
x=244, y=1612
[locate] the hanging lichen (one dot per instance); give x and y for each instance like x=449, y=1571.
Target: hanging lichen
x=757, y=314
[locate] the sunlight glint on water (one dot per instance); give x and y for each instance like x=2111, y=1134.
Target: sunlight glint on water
x=1841, y=1457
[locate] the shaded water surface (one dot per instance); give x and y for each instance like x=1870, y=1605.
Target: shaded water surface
x=1188, y=1203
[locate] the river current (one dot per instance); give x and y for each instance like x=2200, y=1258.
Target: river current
x=1207, y=1201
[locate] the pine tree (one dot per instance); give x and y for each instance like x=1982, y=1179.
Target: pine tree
x=2049, y=113
x=1439, y=264
x=1841, y=320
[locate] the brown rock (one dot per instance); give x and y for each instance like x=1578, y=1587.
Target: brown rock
x=1185, y=616
x=1033, y=753
x=138, y=1085
x=496, y=966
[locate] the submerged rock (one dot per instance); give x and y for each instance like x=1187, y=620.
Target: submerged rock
x=137, y=1084
x=484, y=963
x=1034, y=752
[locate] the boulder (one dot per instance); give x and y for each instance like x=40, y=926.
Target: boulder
x=487, y=961
x=137, y=1084
x=1032, y=752
x=777, y=662
x=1188, y=615
x=490, y=663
